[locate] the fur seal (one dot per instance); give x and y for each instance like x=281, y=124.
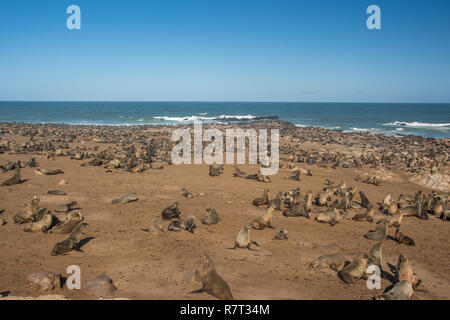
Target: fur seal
x=364, y=200
x=368, y=215
x=404, y=272
x=57, y=193
x=244, y=239
x=445, y=215
x=282, y=235
x=186, y=193
x=265, y=221
x=131, y=197
x=375, y=256
x=156, y=228
x=335, y=261
x=171, y=212
x=380, y=232
x=46, y=280
x=354, y=271
x=71, y=242
x=67, y=226
x=28, y=213
x=45, y=172
x=42, y=225
x=323, y=199
x=277, y=201
x=66, y=207
x=215, y=172
x=332, y=216
x=101, y=286
x=295, y=176
x=15, y=179
x=189, y=224
x=211, y=216
x=212, y=283
x=264, y=200
x=238, y=173
x=402, y=290
x=402, y=239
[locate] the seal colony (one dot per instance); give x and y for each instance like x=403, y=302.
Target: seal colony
x=349, y=201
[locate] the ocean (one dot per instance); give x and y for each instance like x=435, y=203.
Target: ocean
x=429, y=120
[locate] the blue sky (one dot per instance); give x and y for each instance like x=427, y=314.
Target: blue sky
x=225, y=50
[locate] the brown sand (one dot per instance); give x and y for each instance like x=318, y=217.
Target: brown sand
x=144, y=266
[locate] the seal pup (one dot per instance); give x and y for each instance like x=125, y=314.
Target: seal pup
x=212, y=282
x=332, y=216
x=404, y=272
x=46, y=280
x=215, y=172
x=66, y=207
x=131, y=197
x=402, y=239
x=335, y=261
x=265, y=221
x=282, y=235
x=28, y=213
x=364, y=200
x=264, y=200
x=67, y=226
x=186, y=193
x=42, y=225
x=368, y=215
x=380, y=232
x=244, y=239
x=189, y=223
x=402, y=290
x=15, y=179
x=171, y=212
x=211, y=216
x=238, y=173
x=71, y=242
x=156, y=228
x=295, y=176
x=354, y=271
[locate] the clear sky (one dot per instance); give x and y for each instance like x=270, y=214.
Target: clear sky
x=225, y=50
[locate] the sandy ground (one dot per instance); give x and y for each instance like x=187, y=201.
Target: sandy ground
x=144, y=266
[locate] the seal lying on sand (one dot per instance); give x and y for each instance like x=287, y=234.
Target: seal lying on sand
x=66, y=207
x=155, y=228
x=44, y=224
x=265, y=221
x=67, y=226
x=332, y=216
x=264, y=200
x=402, y=239
x=212, y=283
x=335, y=261
x=368, y=215
x=238, y=173
x=189, y=224
x=46, y=280
x=131, y=197
x=402, y=290
x=186, y=193
x=355, y=270
x=45, y=172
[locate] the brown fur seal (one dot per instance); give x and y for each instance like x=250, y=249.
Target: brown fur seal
x=282, y=235
x=211, y=216
x=380, y=232
x=323, y=199
x=375, y=256
x=186, y=193
x=126, y=198
x=355, y=270
x=364, y=200
x=171, y=212
x=46, y=280
x=28, y=213
x=215, y=172
x=368, y=215
x=238, y=173
x=15, y=179
x=265, y=221
x=402, y=239
x=42, y=225
x=66, y=226
x=212, y=282
x=71, y=242
x=264, y=200
x=335, y=261
x=332, y=216
x=277, y=201
x=57, y=192
x=404, y=272
x=45, y=172
x=295, y=176
x=402, y=290
x=66, y=207
x=244, y=239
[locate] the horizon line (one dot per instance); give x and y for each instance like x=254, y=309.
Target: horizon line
x=226, y=101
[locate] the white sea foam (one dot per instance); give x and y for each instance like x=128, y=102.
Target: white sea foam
x=197, y=118
x=417, y=124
